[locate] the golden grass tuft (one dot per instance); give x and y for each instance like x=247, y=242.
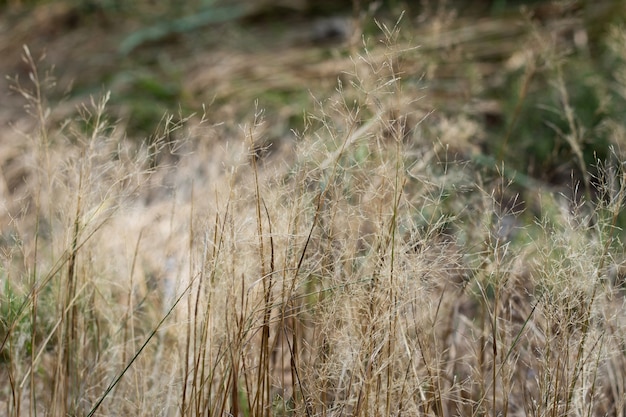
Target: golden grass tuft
x=370, y=269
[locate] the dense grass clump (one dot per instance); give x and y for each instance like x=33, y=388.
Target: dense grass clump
x=371, y=265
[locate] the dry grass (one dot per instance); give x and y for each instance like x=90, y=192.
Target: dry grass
x=370, y=268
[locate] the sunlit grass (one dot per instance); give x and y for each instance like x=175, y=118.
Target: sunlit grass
x=372, y=266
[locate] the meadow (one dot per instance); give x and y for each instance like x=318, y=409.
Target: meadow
x=373, y=238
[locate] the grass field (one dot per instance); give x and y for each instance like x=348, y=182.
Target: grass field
x=338, y=231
